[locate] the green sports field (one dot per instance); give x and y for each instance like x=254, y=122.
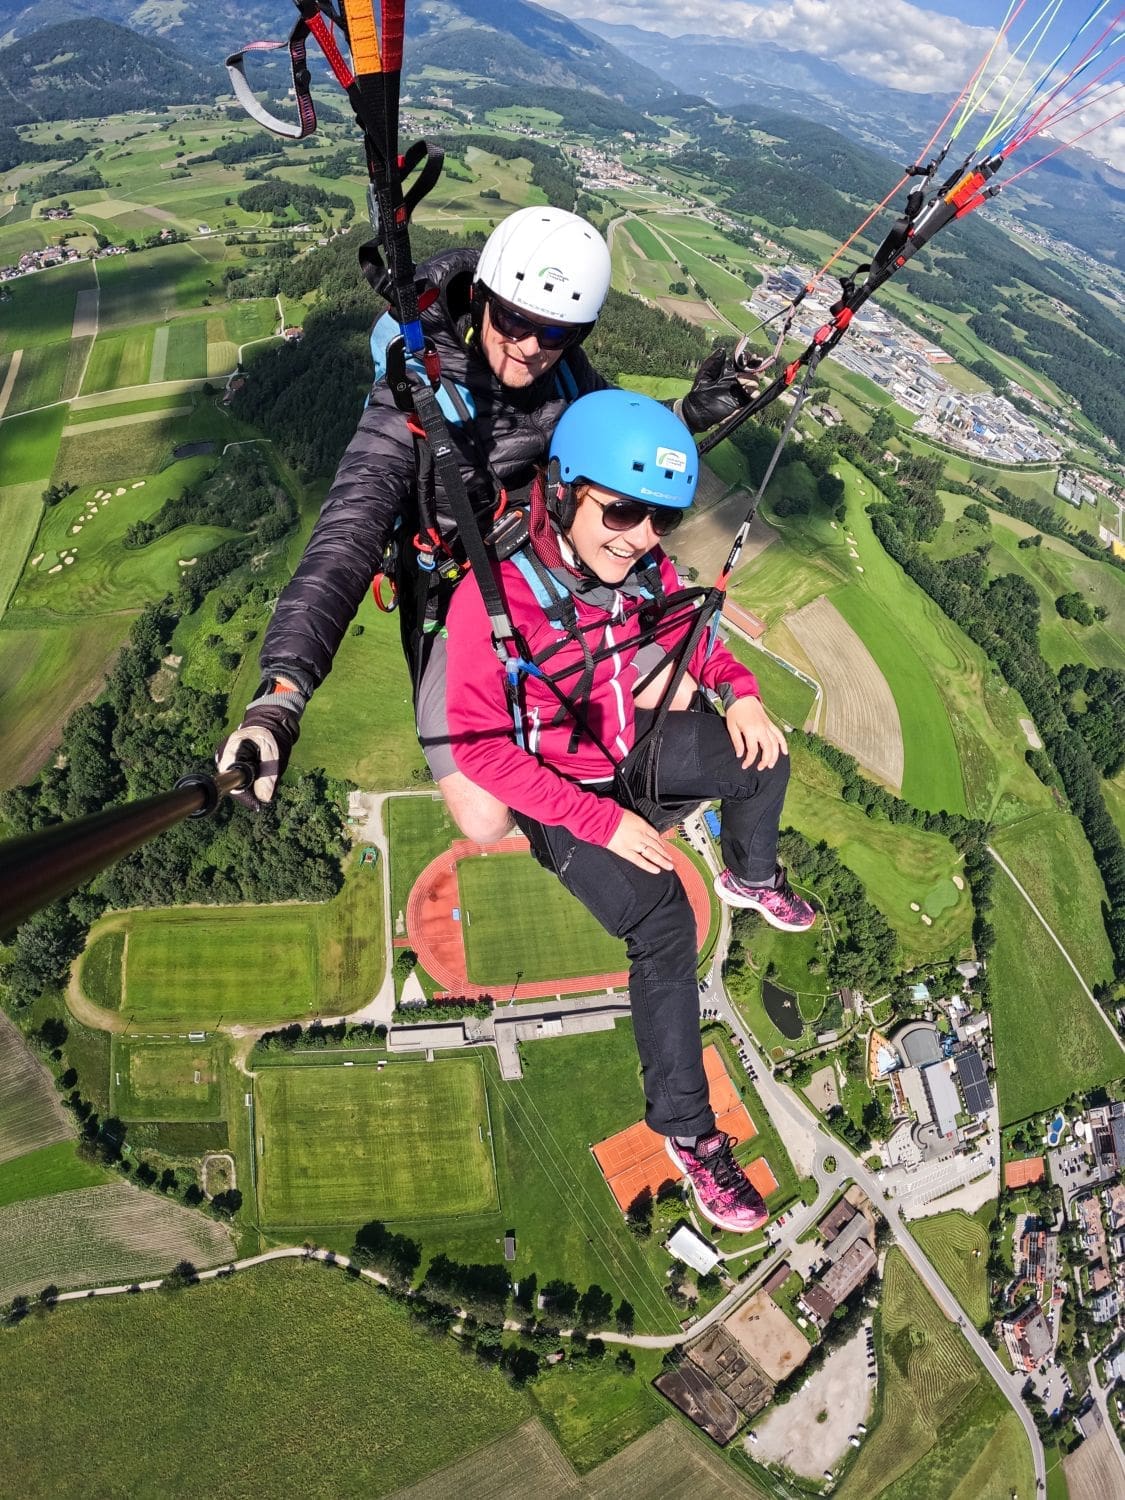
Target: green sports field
x=517, y=918
x=165, y=1080
x=343, y=1145
x=186, y=967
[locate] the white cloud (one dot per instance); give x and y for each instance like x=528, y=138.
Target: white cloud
x=895, y=43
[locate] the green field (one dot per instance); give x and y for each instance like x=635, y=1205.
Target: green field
x=418, y=829
x=186, y=967
x=20, y=510
x=646, y=242
x=787, y=697
x=165, y=1080
x=47, y=1170
x=47, y=373
x=957, y=1246
x=344, y=1145
x=28, y=445
x=1051, y=859
x=897, y=864
x=101, y=970
x=284, y=1337
x=40, y=309
x=517, y=918
x=118, y=359
x=44, y=673
x=149, y=286
x=94, y=1236
x=186, y=358
x=945, y=1432
x=1050, y=1038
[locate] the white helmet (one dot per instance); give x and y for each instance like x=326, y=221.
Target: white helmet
x=549, y=263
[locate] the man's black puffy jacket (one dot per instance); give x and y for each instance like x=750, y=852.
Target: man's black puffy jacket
x=375, y=483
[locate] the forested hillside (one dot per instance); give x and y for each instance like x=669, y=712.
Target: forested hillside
x=85, y=69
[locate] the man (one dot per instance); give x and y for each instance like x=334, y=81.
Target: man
x=508, y=327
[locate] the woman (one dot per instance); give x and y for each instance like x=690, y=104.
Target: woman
x=589, y=592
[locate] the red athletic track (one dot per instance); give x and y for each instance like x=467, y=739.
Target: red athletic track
x=439, y=944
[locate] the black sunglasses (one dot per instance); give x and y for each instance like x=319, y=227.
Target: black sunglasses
x=513, y=325
x=623, y=515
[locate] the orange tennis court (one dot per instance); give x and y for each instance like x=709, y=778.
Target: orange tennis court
x=635, y=1161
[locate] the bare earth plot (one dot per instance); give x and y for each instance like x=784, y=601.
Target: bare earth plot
x=860, y=713
x=840, y=1388
x=102, y=1236
x=31, y=1112
x=526, y=1462
x=1093, y=1472
x=703, y=542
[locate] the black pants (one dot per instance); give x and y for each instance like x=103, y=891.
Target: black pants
x=652, y=912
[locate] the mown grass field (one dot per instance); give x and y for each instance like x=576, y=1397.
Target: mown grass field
x=40, y=308
x=119, y=359
x=28, y=445
x=517, y=918
x=31, y=1112
x=282, y=1336
x=595, y=1413
x=1050, y=1038
x=148, y=286
x=20, y=511
x=44, y=674
x=944, y=1429
x=1052, y=861
x=344, y=1145
x=187, y=966
x=785, y=696
x=957, y=1245
x=418, y=829
x=47, y=373
x=47, y=1170
x=97, y=1235
x=897, y=864
x=165, y=1080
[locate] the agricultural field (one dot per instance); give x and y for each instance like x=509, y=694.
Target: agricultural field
x=283, y=1335
x=165, y=1080
x=29, y=445
x=40, y=309
x=325, y=959
x=20, y=511
x=785, y=696
x=516, y=916
x=96, y=1235
x=944, y=1430
x=44, y=674
x=342, y=1145
x=1050, y=1038
x=47, y=1170
x=957, y=1245
x=119, y=360
x=31, y=1112
x=1051, y=859
x=47, y=373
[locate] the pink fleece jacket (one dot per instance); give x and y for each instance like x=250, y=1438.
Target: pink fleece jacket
x=543, y=780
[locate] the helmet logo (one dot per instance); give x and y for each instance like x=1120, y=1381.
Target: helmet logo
x=671, y=458
x=551, y=273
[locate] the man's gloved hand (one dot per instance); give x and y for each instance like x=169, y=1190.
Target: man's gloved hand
x=270, y=726
x=724, y=383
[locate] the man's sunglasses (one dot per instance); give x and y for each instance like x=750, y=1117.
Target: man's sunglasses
x=623, y=515
x=513, y=325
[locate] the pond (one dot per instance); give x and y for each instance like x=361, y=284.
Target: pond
x=781, y=1007
x=193, y=450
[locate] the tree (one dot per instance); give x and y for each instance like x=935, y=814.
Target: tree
x=227, y=1203
x=595, y=1307
x=625, y=1316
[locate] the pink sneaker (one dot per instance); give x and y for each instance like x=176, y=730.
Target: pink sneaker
x=723, y=1192
x=780, y=905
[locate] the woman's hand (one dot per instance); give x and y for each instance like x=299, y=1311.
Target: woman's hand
x=756, y=738
x=639, y=843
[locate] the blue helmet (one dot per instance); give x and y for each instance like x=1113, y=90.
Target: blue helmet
x=627, y=443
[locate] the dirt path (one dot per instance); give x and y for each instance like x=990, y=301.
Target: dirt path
x=130, y=419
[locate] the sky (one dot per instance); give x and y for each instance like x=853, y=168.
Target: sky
x=931, y=48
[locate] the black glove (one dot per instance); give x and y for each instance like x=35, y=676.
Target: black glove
x=721, y=387
x=270, y=728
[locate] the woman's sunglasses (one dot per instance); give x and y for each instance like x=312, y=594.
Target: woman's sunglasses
x=513, y=325
x=623, y=515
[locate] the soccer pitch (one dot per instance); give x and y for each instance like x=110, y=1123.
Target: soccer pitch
x=165, y=1080
x=517, y=918
x=344, y=1145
